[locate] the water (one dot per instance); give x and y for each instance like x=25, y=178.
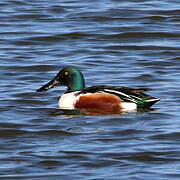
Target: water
x=123, y=43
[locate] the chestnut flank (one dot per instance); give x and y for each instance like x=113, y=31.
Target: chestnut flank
x=100, y=103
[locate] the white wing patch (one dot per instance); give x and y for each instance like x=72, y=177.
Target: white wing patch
x=117, y=92
x=120, y=93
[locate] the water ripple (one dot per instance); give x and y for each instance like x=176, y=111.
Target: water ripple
x=121, y=43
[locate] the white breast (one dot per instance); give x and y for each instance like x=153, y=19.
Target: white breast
x=68, y=100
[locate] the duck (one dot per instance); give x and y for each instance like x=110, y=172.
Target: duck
x=97, y=99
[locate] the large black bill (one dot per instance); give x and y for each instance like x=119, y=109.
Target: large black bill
x=49, y=85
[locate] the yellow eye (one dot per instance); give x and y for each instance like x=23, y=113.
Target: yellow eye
x=66, y=73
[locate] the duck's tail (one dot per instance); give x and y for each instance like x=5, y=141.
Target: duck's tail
x=148, y=102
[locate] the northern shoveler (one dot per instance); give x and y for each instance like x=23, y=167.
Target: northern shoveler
x=99, y=99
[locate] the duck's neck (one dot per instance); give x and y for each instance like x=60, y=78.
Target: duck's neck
x=76, y=84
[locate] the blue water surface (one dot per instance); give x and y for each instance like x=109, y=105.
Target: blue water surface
x=122, y=43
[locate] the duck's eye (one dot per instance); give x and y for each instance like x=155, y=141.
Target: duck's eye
x=66, y=73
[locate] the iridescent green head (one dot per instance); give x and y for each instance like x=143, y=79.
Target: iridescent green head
x=68, y=76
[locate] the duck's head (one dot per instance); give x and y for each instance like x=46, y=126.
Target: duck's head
x=68, y=76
